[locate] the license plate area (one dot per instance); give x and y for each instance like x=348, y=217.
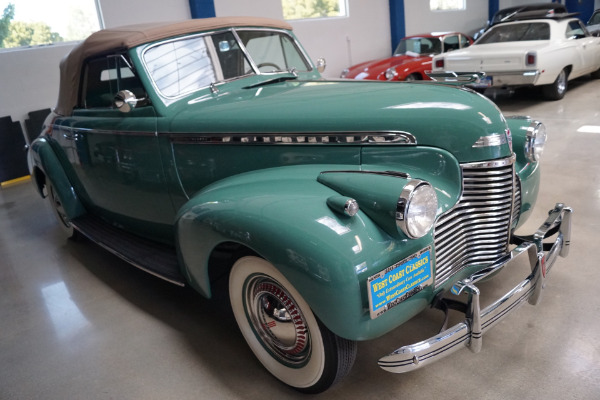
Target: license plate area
x=400, y=281
x=485, y=82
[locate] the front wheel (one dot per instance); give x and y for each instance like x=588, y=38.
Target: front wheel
x=413, y=77
x=557, y=90
x=282, y=331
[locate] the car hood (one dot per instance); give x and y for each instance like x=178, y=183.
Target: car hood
x=436, y=115
x=372, y=69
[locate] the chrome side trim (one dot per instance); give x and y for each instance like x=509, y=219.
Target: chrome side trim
x=68, y=130
x=350, y=138
x=477, y=322
x=395, y=174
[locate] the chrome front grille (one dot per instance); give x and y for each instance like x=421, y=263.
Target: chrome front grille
x=477, y=229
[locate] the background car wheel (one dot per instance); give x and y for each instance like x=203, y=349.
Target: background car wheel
x=280, y=328
x=59, y=212
x=413, y=77
x=557, y=90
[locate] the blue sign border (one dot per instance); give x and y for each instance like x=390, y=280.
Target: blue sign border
x=400, y=281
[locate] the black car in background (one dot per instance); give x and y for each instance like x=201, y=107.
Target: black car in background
x=593, y=25
x=539, y=10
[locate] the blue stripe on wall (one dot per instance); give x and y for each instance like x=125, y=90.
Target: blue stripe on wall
x=202, y=8
x=397, y=24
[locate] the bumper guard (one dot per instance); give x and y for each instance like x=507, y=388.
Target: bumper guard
x=470, y=332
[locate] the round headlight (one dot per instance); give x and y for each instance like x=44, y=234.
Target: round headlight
x=344, y=73
x=536, y=139
x=416, y=209
x=390, y=74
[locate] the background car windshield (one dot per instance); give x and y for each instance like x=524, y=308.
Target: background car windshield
x=516, y=33
x=419, y=46
x=273, y=51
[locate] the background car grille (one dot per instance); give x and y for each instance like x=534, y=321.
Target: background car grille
x=476, y=230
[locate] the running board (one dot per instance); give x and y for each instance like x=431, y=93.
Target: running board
x=155, y=258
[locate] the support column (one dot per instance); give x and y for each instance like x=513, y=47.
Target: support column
x=202, y=8
x=397, y=23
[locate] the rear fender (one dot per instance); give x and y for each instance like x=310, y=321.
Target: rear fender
x=45, y=166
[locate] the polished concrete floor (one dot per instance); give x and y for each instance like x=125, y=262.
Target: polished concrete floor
x=78, y=323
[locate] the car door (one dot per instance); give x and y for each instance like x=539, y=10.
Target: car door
x=586, y=46
x=114, y=155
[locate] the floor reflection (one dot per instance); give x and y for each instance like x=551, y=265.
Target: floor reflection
x=66, y=317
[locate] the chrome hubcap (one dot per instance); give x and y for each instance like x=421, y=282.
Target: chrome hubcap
x=277, y=320
x=562, y=82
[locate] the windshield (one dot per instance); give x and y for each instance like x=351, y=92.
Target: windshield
x=184, y=65
x=595, y=19
x=418, y=45
x=273, y=51
x=516, y=33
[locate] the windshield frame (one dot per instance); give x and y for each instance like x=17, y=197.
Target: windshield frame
x=254, y=70
x=433, y=39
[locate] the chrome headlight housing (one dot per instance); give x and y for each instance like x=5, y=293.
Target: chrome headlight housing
x=416, y=209
x=390, y=73
x=536, y=139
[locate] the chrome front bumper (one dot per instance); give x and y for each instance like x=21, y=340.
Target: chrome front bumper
x=470, y=332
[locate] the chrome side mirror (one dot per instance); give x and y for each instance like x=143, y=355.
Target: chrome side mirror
x=321, y=64
x=125, y=101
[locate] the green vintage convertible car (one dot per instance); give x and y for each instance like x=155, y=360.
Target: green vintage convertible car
x=213, y=150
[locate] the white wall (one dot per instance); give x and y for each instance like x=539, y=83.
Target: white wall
x=127, y=12
x=29, y=77
x=364, y=35
x=419, y=19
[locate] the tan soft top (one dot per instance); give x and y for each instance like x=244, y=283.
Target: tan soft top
x=126, y=37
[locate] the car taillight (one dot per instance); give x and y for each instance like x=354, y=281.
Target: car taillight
x=530, y=59
x=439, y=63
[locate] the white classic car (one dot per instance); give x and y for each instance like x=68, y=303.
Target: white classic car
x=545, y=52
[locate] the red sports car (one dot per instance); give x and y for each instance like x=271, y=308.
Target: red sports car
x=411, y=58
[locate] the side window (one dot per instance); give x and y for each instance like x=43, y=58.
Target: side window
x=182, y=66
x=464, y=42
x=575, y=30
x=451, y=42
x=104, y=77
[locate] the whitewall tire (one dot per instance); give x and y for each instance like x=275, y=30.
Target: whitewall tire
x=282, y=331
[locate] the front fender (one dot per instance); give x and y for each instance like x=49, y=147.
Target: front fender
x=282, y=215
x=527, y=170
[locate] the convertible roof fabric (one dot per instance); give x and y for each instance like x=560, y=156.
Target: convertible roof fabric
x=126, y=37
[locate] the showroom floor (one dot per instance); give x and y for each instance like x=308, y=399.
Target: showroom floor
x=78, y=323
